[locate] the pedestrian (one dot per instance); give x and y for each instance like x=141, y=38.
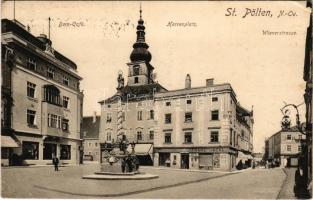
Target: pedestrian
x=239, y=166
x=55, y=162
x=266, y=164
x=273, y=164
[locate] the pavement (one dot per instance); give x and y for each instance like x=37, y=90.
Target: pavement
x=250, y=184
x=288, y=191
x=287, y=188
x=44, y=182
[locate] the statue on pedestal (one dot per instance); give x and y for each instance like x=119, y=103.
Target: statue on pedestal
x=120, y=80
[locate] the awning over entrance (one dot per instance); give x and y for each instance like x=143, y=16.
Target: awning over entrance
x=7, y=141
x=243, y=157
x=141, y=149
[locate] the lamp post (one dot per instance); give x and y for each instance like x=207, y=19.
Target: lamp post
x=286, y=113
x=303, y=159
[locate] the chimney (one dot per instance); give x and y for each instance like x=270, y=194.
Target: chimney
x=210, y=82
x=94, y=117
x=188, y=82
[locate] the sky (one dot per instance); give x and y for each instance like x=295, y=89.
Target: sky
x=264, y=70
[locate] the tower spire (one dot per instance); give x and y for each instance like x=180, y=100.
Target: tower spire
x=140, y=52
x=140, y=11
x=49, y=19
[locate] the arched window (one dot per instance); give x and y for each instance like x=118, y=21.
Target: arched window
x=136, y=70
x=52, y=94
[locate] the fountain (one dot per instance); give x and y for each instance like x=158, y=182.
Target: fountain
x=120, y=164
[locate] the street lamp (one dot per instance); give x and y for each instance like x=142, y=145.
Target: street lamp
x=286, y=118
x=303, y=159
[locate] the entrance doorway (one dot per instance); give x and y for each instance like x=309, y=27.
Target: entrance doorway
x=164, y=159
x=185, y=161
x=49, y=150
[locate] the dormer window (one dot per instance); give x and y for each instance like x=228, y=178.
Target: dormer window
x=50, y=73
x=136, y=70
x=66, y=80
x=31, y=64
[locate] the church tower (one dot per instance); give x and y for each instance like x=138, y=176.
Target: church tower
x=140, y=70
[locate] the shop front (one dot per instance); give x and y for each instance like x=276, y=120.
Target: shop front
x=8, y=144
x=203, y=158
x=41, y=149
x=144, y=153
x=245, y=158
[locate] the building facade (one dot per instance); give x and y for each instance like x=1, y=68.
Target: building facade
x=202, y=127
x=91, y=142
x=285, y=146
x=46, y=109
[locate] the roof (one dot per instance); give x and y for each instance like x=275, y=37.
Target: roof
x=90, y=129
x=242, y=111
x=291, y=129
x=10, y=26
x=196, y=90
x=134, y=93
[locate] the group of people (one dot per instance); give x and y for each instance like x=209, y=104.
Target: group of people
x=271, y=164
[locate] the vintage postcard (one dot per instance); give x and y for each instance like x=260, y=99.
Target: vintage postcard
x=156, y=99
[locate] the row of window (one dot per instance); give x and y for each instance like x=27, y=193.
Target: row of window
x=189, y=101
x=139, y=136
x=188, y=117
x=90, y=144
x=214, y=137
x=290, y=138
x=167, y=117
x=32, y=65
x=289, y=148
x=139, y=116
x=52, y=95
x=54, y=121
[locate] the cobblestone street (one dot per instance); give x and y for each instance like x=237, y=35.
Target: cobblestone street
x=43, y=182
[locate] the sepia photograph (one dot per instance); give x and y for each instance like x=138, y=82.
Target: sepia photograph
x=156, y=99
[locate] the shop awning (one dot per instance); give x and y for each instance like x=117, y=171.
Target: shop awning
x=244, y=157
x=7, y=141
x=141, y=149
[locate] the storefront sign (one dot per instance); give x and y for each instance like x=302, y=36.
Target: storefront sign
x=208, y=150
x=196, y=150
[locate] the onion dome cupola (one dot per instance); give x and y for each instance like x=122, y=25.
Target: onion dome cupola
x=140, y=51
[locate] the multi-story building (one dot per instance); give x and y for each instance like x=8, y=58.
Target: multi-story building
x=91, y=142
x=46, y=108
x=8, y=139
x=285, y=146
x=202, y=127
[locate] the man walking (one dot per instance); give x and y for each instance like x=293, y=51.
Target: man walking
x=55, y=162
